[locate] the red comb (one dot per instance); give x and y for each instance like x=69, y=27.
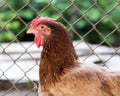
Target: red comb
x=39, y=20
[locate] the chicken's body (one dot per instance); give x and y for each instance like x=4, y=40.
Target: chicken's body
x=61, y=74
x=84, y=80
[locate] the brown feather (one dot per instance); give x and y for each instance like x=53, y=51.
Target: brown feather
x=56, y=52
x=62, y=75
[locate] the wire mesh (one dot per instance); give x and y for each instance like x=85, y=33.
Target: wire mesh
x=20, y=59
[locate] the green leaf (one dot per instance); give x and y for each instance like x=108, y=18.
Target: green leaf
x=26, y=14
x=93, y=14
x=6, y=36
x=13, y=25
x=111, y=39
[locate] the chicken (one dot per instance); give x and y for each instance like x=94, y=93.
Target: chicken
x=61, y=73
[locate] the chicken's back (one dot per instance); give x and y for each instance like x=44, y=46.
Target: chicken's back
x=86, y=80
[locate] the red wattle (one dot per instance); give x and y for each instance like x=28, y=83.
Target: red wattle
x=37, y=41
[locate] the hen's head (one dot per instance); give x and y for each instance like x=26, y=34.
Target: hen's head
x=40, y=29
x=44, y=28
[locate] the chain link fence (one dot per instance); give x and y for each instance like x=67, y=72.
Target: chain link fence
x=93, y=21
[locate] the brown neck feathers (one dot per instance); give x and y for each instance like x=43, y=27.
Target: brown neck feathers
x=58, y=54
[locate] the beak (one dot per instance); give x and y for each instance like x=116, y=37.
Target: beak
x=30, y=31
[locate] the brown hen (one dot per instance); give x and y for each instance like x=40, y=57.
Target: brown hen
x=61, y=74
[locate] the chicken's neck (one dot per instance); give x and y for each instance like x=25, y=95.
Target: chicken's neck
x=56, y=57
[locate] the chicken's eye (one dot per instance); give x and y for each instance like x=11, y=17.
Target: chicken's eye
x=42, y=27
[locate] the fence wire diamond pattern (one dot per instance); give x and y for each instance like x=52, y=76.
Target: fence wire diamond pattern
x=19, y=61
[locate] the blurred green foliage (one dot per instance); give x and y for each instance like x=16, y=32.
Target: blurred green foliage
x=15, y=15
